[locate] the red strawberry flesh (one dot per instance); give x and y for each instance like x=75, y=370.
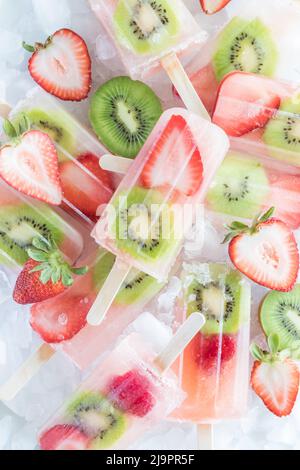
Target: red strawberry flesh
x=131, y=393
x=176, y=151
x=215, y=350
x=213, y=6
x=63, y=66
x=64, y=437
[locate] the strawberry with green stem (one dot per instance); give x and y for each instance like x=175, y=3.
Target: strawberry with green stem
x=275, y=377
x=266, y=251
x=45, y=275
x=29, y=162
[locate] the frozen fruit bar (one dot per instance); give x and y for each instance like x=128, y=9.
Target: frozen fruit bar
x=79, y=341
x=213, y=369
x=124, y=397
x=22, y=219
x=85, y=186
x=258, y=37
x=155, y=204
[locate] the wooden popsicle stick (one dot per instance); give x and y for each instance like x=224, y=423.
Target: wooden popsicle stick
x=5, y=109
x=183, y=85
x=107, y=294
x=180, y=341
x=27, y=371
x=205, y=435
x=115, y=164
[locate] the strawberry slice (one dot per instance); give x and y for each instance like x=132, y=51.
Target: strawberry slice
x=64, y=437
x=62, y=66
x=245, y=102
x=275, y=378
x=61, y=320
x=266, y=252
x=213, y=6
x=285, y=196
x=30, y=165
x=174, y=146
x=86, y=190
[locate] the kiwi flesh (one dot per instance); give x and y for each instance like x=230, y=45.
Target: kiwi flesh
x=144, y=224
x=19, y=225
x=282, y=133
x=240, y=187
x=146, y=26
x=123, y=113
x=280, y=314
x=55, y=125
x=97, y=418
x=246, y=46
x=223, y=298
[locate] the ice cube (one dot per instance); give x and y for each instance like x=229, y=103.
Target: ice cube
x=52, y=15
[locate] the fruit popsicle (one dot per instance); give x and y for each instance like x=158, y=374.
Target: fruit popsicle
x=85, y=186
x=149, y=34
x=258, y=37
x=213, y=369
x=157, y=201
x=130, y=392
x=61, y=321
x=248, y=184
x=22, y=219
x=260, y=114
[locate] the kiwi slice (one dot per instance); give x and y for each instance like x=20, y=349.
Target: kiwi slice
x=102, y=267
x=246, y=46
x=19, y=225
x=280, y=313
x=240, y=187
x=97, y=418
x=283, y=131
x=144, y=224
x=223, y=297
x=123, y=113
x=146, y=26
x=57, y=126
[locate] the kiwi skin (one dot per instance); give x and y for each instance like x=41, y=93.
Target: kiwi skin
x=123, y=113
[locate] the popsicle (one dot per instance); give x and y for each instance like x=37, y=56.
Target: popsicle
x=257, y=37
x=260, y=114
x=130, y=392
x=85, y=185
x=213, y=369
x=61, y=321
x=149, y=35
x=157, y=201
x=22, y=219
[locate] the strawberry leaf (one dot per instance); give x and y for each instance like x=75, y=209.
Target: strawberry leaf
x=267, y=215
x=257, y=352
x=80, y=271
x=9, y=129
x=28, y=47
x=46, y=275
x=273, y=343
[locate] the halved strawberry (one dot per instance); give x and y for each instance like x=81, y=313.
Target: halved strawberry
x=61, y=320
x=285, y=196
x=86, y=190
x=206, y=85
x=64, y=437
x=167, y=164
x=266, y=252
x=30, y=165
x=245, y=102
x=213, y=6
x=275, y=378
x=62, y=66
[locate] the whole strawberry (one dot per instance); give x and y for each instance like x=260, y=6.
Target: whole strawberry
x=266, y=252
x=275, y=377
x=62, y=65
x=45, y=275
